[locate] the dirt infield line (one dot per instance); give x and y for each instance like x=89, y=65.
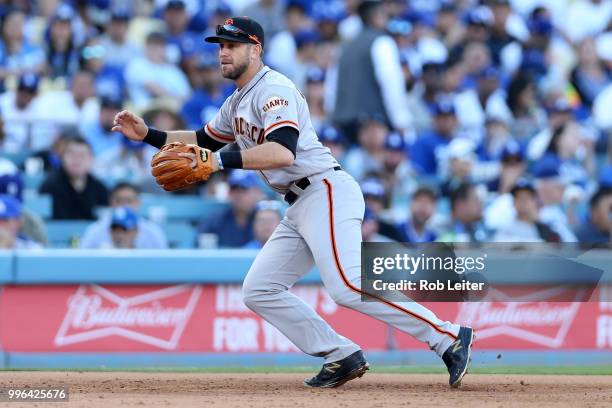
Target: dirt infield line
x=119, y=389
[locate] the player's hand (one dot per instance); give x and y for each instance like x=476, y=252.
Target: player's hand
x=131, y=125
x=194, y=162
x=177, y=165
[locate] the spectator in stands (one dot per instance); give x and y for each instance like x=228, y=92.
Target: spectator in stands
x=496, y=137
x=376, y=199
x=374, y=194
x=148, y=236
x=281, y=49
x=589, y=76
x=128, y=161
x=551, y=188
x=398, y=174
x=500, y=211
x=20, y=111
x=597, y=229
x=466, y=223
x=315, y=96
x=334, y=140
x=478, y=20
x=501, y=34
x=51, y=157
x=559, y=114
x=99, y=134
x=268, y=214
x=526, y=227
x=370, y=228
x=569, y=148
x=306, y=57
x=17, y=55
x=268, y=13
x=152, y=76
x=11, y=183
x=68, y=107
x=458, y=164
x=209, y=92
x=123, y=229
x=373, y=89
x=234, y=228
x=10, y=224
x=584, y=18
x=487, y=99
x=367, y=156
x=527, y=117
x=422, y=95
x=62, y=51
x=603, y=100
x=108, y=79
x=181, y=42
x=118, y=50
x=422, y=208
x=430, y=148
x=513, y=167
x=74, y=190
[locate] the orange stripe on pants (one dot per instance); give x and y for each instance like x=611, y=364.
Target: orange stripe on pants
x=330, y=201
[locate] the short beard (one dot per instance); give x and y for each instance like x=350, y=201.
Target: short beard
x=237, y=71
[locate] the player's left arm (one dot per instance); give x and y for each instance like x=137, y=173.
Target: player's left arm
x=278, y=151
x=277, y=111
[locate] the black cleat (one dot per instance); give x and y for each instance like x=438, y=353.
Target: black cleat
x=337, y=373
x=458, y=356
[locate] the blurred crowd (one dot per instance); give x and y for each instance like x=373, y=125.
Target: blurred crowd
x=467, y=120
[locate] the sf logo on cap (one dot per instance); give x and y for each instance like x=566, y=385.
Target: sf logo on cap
x=229, y=21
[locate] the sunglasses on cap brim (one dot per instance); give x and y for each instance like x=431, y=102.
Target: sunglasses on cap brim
x=235, y=32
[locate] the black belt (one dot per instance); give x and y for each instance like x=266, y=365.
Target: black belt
x=302, y=184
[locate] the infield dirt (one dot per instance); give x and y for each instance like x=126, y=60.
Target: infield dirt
x=120, y=389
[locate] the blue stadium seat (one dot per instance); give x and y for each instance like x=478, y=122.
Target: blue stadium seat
x=17, y=158
x=40, y=204
x=65, y=233
x=33, y=182
x=181, y=208
x=180, y=235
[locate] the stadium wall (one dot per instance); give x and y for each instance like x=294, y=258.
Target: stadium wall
x=182, y=308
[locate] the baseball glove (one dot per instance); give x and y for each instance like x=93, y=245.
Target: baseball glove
x=173, y=166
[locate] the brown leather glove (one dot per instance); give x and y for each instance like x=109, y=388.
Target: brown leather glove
x=173, y=168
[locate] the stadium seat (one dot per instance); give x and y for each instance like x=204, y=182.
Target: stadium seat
x=42, y=205
x=17, y=158
x=180, y=235
x=33, y=182
x=171, y=208
x=65, y=233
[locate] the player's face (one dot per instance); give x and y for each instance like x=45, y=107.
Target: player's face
x=234, y=58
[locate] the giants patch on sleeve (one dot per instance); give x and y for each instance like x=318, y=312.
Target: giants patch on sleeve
x=274, y=103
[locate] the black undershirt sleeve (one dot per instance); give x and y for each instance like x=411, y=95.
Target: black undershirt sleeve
x=206, y=141
x=286, y=136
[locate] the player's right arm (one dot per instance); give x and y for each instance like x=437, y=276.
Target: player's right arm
x=133, y=127
x=214, y=135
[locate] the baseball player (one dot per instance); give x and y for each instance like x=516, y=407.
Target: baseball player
x=268, y=119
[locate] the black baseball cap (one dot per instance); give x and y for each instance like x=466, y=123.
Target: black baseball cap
x=239, y=29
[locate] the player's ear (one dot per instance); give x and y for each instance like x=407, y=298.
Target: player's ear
x=257, y=51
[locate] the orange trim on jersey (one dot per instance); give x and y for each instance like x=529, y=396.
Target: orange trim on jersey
x=330, y=201
x=282, y=122
x=221, y=137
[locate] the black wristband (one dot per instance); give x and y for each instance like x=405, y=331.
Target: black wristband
x=231, y=160
x=155, y=138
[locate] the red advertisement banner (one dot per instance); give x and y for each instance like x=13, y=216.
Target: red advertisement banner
x=213, y=318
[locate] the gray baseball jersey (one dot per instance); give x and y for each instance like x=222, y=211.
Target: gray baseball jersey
x=323, y=226
x=268, y=102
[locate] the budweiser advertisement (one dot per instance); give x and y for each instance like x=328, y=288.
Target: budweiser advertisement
x=213, y=318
